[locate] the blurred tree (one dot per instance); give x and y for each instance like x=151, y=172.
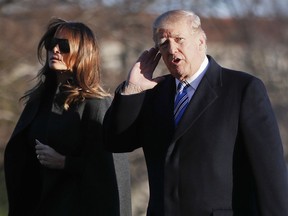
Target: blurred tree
x=239, y=36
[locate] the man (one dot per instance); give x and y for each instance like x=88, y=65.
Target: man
x=224, y=156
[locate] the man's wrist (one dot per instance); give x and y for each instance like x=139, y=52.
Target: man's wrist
x=129, y=88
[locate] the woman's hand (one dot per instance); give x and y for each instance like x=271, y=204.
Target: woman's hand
x=48, y=157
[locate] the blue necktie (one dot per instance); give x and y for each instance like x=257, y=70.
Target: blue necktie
x=181, y=101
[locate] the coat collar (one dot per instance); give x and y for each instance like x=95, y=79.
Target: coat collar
x=204, y=97
x=27, y=116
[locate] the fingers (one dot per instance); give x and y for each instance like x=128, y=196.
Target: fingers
x=150, y=56
x=40, y=146
x=150, y=59
x=156, y=60
x=41, y=158
x=44, y=158
x=40, y=150
x=37, y=141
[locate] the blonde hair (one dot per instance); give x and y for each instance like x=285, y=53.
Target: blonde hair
x=174, y=15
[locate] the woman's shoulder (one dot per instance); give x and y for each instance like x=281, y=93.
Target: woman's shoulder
x=98, y=102
x=96, y=106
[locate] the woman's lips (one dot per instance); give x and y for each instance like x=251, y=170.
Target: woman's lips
x=55, y=58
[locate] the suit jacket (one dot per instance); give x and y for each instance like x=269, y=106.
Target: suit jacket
x=224, y=158
x=93, y=182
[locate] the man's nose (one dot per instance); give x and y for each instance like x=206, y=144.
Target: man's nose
x=172, y=47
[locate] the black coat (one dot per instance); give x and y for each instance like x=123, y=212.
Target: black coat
x=88, y=185
x=224, y=158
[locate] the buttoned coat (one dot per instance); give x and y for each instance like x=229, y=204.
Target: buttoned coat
x=224, y=158
x=93, y=182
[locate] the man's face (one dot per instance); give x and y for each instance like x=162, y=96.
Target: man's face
x=182, y=49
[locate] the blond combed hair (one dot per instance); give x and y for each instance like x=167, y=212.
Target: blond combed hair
x=168, y=17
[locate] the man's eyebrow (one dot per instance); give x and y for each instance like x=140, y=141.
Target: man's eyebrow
x=171, y=35
x=177, y=35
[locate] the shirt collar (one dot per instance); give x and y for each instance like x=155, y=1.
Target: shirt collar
x=196, y=78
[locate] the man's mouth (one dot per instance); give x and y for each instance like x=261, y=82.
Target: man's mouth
x=176, y=60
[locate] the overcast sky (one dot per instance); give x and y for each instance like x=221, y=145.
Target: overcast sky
x=226, y=8
x=217, y=8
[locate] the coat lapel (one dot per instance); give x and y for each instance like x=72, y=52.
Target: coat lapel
x=203, y=98
x=164, y=102
x=26, y=117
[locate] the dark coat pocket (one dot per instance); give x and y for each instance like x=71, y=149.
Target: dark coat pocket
x=222, y=212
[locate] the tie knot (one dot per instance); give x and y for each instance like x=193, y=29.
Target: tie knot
x=182, y=86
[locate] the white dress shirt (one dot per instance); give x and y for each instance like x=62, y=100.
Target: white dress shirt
x=195, y=79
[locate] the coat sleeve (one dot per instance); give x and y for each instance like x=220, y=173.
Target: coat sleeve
x=21, y=168
x=120, y=122
x=264, y=149
x=106, y=177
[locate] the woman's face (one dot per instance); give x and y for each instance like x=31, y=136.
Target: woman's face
x=58, y=51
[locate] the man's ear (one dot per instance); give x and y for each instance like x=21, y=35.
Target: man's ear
x=201, y=42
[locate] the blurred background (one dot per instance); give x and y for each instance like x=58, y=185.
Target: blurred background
x=247, y=35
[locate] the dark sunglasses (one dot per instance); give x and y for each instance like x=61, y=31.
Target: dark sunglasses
x=63, y=45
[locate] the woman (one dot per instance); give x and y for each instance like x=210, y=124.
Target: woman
x=54, y=161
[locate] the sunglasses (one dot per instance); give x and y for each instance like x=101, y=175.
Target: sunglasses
x=63, y=45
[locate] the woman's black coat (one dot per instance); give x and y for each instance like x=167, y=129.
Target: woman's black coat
x=88, y=185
